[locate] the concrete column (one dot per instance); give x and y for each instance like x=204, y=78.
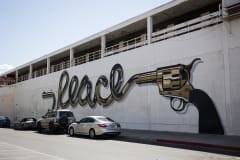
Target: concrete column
x=48, y=65
x=16, y=76
x=103, y=45
x=30, y=72
x=71, y=57
x=149, y=29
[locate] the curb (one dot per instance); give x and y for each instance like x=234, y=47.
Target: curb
x=232, y=148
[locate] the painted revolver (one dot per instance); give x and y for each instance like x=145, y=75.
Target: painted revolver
x=173, y=81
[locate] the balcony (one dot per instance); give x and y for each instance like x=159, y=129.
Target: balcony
x=87, y=57
x=60, y=66
x=23, y=77
x=186, y=27
x=121, y=40
x=39, y=72
x=123, y=46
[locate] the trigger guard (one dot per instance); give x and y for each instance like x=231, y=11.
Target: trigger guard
x=180, y=107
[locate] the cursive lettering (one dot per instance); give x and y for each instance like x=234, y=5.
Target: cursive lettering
x=75, y=90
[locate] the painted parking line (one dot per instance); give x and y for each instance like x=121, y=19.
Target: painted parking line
x=14, y=152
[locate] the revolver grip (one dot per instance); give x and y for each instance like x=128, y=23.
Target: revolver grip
x=209, y=120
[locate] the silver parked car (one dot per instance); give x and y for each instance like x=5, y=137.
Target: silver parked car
x=94, y=126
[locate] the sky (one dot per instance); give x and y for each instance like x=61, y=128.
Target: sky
x=30, y=29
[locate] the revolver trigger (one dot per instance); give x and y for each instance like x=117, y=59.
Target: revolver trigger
x=177, y=107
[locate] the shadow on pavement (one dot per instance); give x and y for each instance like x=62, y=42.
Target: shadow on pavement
x=178, y=146
x=46, y=132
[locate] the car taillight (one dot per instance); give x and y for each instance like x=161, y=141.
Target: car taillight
x=102, y=125
x=118, y=125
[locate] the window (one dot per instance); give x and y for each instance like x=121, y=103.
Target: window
x=90, y=120
x=106, y=119
x=65, y=114
x=84, y=120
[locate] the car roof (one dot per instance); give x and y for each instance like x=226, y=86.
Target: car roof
x=60, y=110
x=28, y=118
x=3, y=116
x=95, y=117
x=66, y=110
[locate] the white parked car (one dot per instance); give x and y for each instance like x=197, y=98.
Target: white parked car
x=95, y=126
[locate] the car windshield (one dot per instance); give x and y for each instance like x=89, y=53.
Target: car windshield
x=1, y=118
x=105, y=119
x=65, y=114
x=28, y=119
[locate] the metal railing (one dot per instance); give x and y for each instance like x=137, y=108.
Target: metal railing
x=87, y=57
x=141, y=40
x=39, y=73
x=126, y=45
x=23, y=77
x=80, y=60
x=186, y=27
x=60, y=66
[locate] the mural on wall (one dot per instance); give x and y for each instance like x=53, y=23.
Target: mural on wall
x=50, y=95
x=172, y=81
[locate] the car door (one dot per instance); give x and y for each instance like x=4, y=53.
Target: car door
x=89, y=124
x=43, y=119
x=81, y=126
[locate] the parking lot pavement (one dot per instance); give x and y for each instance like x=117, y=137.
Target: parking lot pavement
x=13, y=152
x=223, y=144
x=26, y=145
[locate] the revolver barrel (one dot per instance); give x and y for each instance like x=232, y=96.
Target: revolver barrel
x=146, y=77
x=168, y=77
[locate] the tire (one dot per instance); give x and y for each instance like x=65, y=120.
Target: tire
x=63, y=122
x=115, y=135
x=51, y=126
x=71, y=132
x=22, y=127
x=92, y=133
x=39, y=127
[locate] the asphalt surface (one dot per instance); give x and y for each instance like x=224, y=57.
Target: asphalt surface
x=26, y=145
x=223, y=144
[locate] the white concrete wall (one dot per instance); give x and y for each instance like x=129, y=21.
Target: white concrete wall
x=7, y=101
x=143, y=107
x=233, y=52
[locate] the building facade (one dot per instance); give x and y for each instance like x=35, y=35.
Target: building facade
x=174, y=68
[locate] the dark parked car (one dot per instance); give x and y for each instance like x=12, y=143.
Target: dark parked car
x=26, y=123
x=4, y=121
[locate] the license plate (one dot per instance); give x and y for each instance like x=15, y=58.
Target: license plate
x=113, y=126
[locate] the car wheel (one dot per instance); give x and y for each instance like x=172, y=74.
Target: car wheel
x=71, y=132
x=51, y=126
x=63, y=121
x=115, y=135
x=22, y=126
x=39, y=127
x=92, y=133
